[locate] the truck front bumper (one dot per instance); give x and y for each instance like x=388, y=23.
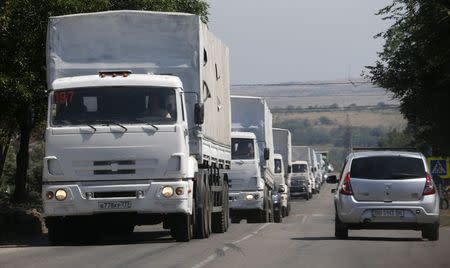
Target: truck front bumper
x=242, y=200
x=145, y=197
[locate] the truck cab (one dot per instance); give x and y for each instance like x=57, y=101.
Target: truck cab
x=281, y=185
x=301, y=181
x=248, y=193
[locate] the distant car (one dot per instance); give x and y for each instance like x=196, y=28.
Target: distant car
x=386, y=190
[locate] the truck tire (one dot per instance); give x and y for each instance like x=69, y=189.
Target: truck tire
x=181, y=227
x=340, y=228
x=56, y=232
x=235, y=220
x=202, y=222
x=288, y=210
x=307, y=196
x=265, y=213
x=278, y=217
x=220, y=219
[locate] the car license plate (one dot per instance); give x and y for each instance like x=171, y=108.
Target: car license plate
x=114, y=205
x=388, y=213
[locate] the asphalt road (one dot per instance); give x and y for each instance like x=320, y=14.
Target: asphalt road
x=304, y=239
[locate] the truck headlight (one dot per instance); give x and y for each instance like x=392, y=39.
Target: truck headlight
x=61, y=195
x=167, y=191
x=249, y=197
x=54, y=167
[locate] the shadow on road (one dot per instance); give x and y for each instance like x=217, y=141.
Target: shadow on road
x=359, y=238
x=141, y=237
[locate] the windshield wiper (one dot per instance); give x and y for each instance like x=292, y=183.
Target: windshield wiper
x=118, y=124
x=147, y=123
x=105, y=122
x=91, y=126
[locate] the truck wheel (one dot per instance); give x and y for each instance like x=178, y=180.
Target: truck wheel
x=431, y=232
x=235, y=220
x=202, y=209
x=288, y=210
x=278, y=217
x=181, y=227
x=219, y=219
x=340, y=229
x=307, y=196
x=56, y=232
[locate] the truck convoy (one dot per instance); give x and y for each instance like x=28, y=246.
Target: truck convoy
x=252, y=166
x=138, y=127
x=283, y=145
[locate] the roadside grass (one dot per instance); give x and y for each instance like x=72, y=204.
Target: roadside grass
x=445, y=217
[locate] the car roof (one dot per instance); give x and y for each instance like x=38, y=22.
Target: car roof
x=361, y=154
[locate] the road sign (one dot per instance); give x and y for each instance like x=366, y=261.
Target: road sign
x=439, y=166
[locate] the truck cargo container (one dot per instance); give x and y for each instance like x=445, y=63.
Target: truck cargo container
x=252, y=166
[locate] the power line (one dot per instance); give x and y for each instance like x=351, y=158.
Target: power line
x=354, y=83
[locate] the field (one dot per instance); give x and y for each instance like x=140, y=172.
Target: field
x=386, y=118
x=321, y=93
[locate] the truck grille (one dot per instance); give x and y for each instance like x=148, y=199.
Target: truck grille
x=114, y=167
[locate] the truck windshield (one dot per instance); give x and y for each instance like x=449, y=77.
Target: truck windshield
x=277, y=166
x=125, y=105
x=299, y=168
x=242, y=149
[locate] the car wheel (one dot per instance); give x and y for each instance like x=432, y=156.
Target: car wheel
x=431, y=232
x=340, y=229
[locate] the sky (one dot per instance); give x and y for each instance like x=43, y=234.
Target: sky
x=274, y=41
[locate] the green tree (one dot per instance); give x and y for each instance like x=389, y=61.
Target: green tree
x=415, y=65
x=396, y=139
x=23, y=25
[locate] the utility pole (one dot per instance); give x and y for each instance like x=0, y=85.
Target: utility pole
x=348, y=137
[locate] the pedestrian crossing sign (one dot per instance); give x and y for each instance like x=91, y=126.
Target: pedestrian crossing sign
x=439, y=166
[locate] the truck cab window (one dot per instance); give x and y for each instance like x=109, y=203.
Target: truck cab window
x=242, y=149
x=277, y=166
x=299, y=168
x=126, y=105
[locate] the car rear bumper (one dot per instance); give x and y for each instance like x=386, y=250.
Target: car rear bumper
x=351, y=211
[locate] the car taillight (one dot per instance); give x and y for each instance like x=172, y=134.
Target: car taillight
x=346, y=188
x=429, y=186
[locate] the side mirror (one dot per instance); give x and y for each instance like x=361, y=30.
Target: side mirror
x=266, y=153
x=332, y=179
x=289, y=169
x=199, y=113
x=281, y=189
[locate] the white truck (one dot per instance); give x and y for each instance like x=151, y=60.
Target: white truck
x=139, y=125
x=301, y=183
x=282, y=143
x=303, y=153
x=252, y=165
x=316, y=170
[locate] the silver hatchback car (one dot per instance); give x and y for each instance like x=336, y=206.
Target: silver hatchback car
x=386, y=190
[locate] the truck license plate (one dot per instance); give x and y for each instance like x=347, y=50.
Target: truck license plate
x=114, y=205
x=388, y=213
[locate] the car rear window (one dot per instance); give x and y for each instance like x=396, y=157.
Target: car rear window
x=387, y=167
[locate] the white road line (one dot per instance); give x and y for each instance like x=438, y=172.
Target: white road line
x=304, y=219
x=8, y=250
x=212, y=257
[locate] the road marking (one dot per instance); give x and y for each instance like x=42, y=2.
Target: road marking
x=220, y=252
x=304, y=219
